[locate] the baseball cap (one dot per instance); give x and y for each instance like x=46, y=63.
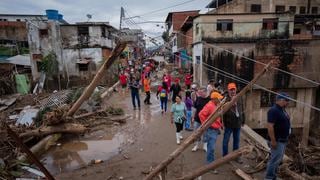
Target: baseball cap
x=216, y=95
x=232, y=86
x=282, y=95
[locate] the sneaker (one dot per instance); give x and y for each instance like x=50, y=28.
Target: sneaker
x=162, y=111
x=181, y=137
x=195, y=148
x=214, y=171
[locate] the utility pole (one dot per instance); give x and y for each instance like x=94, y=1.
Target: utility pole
x=121, y=17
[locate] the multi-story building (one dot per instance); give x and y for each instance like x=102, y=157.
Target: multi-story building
x=239, y=35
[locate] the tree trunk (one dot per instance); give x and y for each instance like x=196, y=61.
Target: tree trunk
x=218, y=113
x=219, y=162
x=97, y=78
x=63, y=128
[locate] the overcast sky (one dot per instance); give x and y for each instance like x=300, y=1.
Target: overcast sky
x=105, y=10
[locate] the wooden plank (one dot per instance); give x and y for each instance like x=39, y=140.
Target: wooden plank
x=217, y=163
x=259, y=139
x=243, y=175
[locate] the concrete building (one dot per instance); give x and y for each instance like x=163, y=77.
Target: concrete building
x=136, y=42
x=226, y=38
x=177, y=41
x=79, y=48
x=22, y=17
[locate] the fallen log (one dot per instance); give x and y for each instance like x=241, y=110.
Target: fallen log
x=88, y=114
x=243, y=175
x=221, y=109
x=42, y=146
x=89, y=90
x=62, y=128
x=110, y=90
x=219, y=162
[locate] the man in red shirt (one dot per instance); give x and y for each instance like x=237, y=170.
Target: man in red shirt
x=188, y=80
x=214, y=130
x=123, y=82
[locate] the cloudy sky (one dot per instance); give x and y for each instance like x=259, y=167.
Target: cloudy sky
x=106, y=10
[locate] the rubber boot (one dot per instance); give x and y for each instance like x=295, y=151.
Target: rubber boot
x=178, y=138
x=205, y=146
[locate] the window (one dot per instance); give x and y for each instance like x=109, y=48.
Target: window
x=280, y=9
x=296, y=31
x=37, y=57
x=314, y=10
x=267, y=99
x=43, y=32
x=293, y=9
x=270, y=24
x=3, y=19
x=18, y=20
x=256, y=8
x=83, y=67
x=83, y=30
x=225, y=25
x=103, y=32
x=302, y=10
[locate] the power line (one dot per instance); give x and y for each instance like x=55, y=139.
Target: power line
x=152, y=12
x=234, y=77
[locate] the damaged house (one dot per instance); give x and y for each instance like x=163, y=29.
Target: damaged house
x=238, y=35
x=79, y=48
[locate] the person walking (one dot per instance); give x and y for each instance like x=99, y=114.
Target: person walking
x=146, y=87
x=201, y=100
x=233, y=120
x=134, y=87
x=188, y=103
x=214, y=130
x=175, y=89
x=178, y=116
x=123, y=81
x=279, y=129
x=163, y=91
x=188, y=80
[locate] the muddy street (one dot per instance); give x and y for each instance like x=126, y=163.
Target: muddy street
x=146, y=139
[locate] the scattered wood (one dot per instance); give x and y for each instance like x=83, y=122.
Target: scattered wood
x=221, y=109
x=285, y=169
x=243, y=175
x=88, y=114
x=217, y=163
x=33, y=171
x=89, y=90
x=260, y=140
x=62, y=128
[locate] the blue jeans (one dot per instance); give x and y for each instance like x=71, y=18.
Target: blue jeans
x=135, y=95
x=164, y=102
x=226, y=138
x=274, y=161
x=188, y=121
x=197, y=125
x=212, y=135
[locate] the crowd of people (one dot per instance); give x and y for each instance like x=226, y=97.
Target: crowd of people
x=192, y=110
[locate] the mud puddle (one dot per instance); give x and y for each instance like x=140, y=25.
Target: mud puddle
x=72, y=154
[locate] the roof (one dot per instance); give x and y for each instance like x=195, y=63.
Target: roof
x=30, y=15
x=233, y=14
x=106, y=24
x=213, y=3
x=170, y=13
x=187, y=24
x=23, y=60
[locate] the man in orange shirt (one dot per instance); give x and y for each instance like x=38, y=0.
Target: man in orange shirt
x=146, y=86
x=214, y=130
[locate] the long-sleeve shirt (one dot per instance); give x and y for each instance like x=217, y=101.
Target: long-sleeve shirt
x=134, y=86
x=207, y=110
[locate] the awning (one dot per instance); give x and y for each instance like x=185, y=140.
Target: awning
x=23, y=60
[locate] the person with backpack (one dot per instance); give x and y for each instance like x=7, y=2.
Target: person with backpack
x=163, y=92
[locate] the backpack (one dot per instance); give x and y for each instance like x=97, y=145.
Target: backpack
x=163, y=93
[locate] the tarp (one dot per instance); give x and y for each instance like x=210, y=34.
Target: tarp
x=22, y=82
x=23, y=60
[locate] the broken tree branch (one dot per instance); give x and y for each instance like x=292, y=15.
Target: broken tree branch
x=221, y=109
x=63, y=128
x=285, y=169
x=97, y=78
x=243, y=175
x=219, y=162
x=110, y=90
